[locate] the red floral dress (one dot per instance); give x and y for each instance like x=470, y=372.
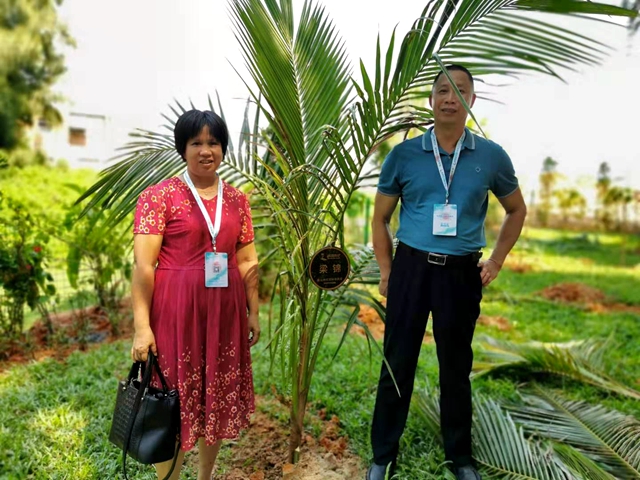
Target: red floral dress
x=202, y=334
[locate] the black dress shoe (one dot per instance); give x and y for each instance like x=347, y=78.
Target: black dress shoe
x=379, y=472
x=467, y=473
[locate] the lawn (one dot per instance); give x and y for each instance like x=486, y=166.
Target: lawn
x=54, y=416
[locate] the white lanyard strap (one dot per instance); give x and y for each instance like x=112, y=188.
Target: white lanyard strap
x=454, y=164
x=215, y=228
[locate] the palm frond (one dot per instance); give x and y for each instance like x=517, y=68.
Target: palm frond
x=609, y=438
x=147, y=159
x=487, y=36
x=500, y=447
x=578, y=360
x=291, y=70
x=579, y=464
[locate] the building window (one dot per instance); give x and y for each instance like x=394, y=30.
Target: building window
x=78, y=137
x=44, y=125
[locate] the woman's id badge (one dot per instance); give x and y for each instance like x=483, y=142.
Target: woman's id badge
x=215, y=270
x=445, y=219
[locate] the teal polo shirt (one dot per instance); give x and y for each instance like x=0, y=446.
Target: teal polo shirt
x=410, y=172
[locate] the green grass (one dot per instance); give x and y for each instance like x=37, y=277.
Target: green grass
x=54, y=417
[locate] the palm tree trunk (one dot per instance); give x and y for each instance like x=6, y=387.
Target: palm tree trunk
x=301, y=393
x=297, y=427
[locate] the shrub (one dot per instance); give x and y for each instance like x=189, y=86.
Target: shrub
x=22, y=257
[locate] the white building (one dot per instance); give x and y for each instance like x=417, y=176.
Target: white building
x=84, y=140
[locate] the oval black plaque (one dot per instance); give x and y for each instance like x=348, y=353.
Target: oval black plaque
x=329, y=268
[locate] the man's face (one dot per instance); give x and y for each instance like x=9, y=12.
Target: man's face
x=447, y=108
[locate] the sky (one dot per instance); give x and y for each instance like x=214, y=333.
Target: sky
x=134, y=58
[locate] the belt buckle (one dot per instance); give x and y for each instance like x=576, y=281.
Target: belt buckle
x=437, y=259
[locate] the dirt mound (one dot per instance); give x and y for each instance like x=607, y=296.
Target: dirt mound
x=500, y=323
x=574, y=293
x=260, y=453
x=517, y=264
x=374, y=323
x=593, y=299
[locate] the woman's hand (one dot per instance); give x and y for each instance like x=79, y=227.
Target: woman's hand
x=254, y=328
x=142, y=341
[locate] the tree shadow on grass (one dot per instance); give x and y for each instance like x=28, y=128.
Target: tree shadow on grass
x=586, y=246
x=55, y=417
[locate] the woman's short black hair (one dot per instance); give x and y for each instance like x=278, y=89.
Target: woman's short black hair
x=191, y=123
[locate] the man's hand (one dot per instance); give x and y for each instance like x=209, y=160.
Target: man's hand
x=489, y=272
x=383, y=286
x=142, y=341
x=254, y=328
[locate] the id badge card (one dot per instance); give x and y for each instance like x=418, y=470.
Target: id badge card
x=445, y=219
x=215, y=270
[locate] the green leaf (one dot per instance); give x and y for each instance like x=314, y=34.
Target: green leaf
x=74, y=259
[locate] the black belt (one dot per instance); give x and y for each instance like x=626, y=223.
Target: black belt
x=441, y=259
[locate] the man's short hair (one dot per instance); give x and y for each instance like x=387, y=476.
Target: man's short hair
x=191, y=123
x=452, y=68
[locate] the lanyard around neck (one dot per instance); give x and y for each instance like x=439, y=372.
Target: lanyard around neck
x=454, y=163
x=215, y=228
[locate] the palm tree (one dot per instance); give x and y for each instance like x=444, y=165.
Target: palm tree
x=325, y=124
x=548, y=179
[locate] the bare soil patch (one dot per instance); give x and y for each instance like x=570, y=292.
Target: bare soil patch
x=498, y=322
x=261, y=451
x=574, y=293
x=374, y=323
x=518, y=264
x=79, y=329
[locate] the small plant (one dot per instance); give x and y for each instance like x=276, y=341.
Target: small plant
x=106, y=254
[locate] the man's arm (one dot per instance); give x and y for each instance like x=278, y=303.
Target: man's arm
x=382, y=239
x=516, y=212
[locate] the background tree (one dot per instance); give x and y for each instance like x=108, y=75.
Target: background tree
x=617, y=201
x=548, y=179
x=571, y=203
x=30, y=63
x=327, y=125
x=603, y=183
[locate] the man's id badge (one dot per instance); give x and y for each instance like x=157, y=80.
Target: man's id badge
x=445, y=219
x=215, y=270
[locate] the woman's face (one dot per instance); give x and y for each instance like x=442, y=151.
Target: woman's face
x=203, y=154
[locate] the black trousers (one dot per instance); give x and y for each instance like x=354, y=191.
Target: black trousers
x=452, y=293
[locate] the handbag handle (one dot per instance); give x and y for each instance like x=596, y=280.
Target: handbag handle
x=144, y=384
x=149, y=365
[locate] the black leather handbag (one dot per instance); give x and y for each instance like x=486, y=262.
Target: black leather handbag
x=146, y=420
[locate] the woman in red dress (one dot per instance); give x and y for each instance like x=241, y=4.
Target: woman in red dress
x=202, y=335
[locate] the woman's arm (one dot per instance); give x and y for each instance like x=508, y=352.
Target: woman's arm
x=247, y=258
x=146, y=249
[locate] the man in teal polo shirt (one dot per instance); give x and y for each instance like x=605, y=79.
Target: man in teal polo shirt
x=443, y=178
